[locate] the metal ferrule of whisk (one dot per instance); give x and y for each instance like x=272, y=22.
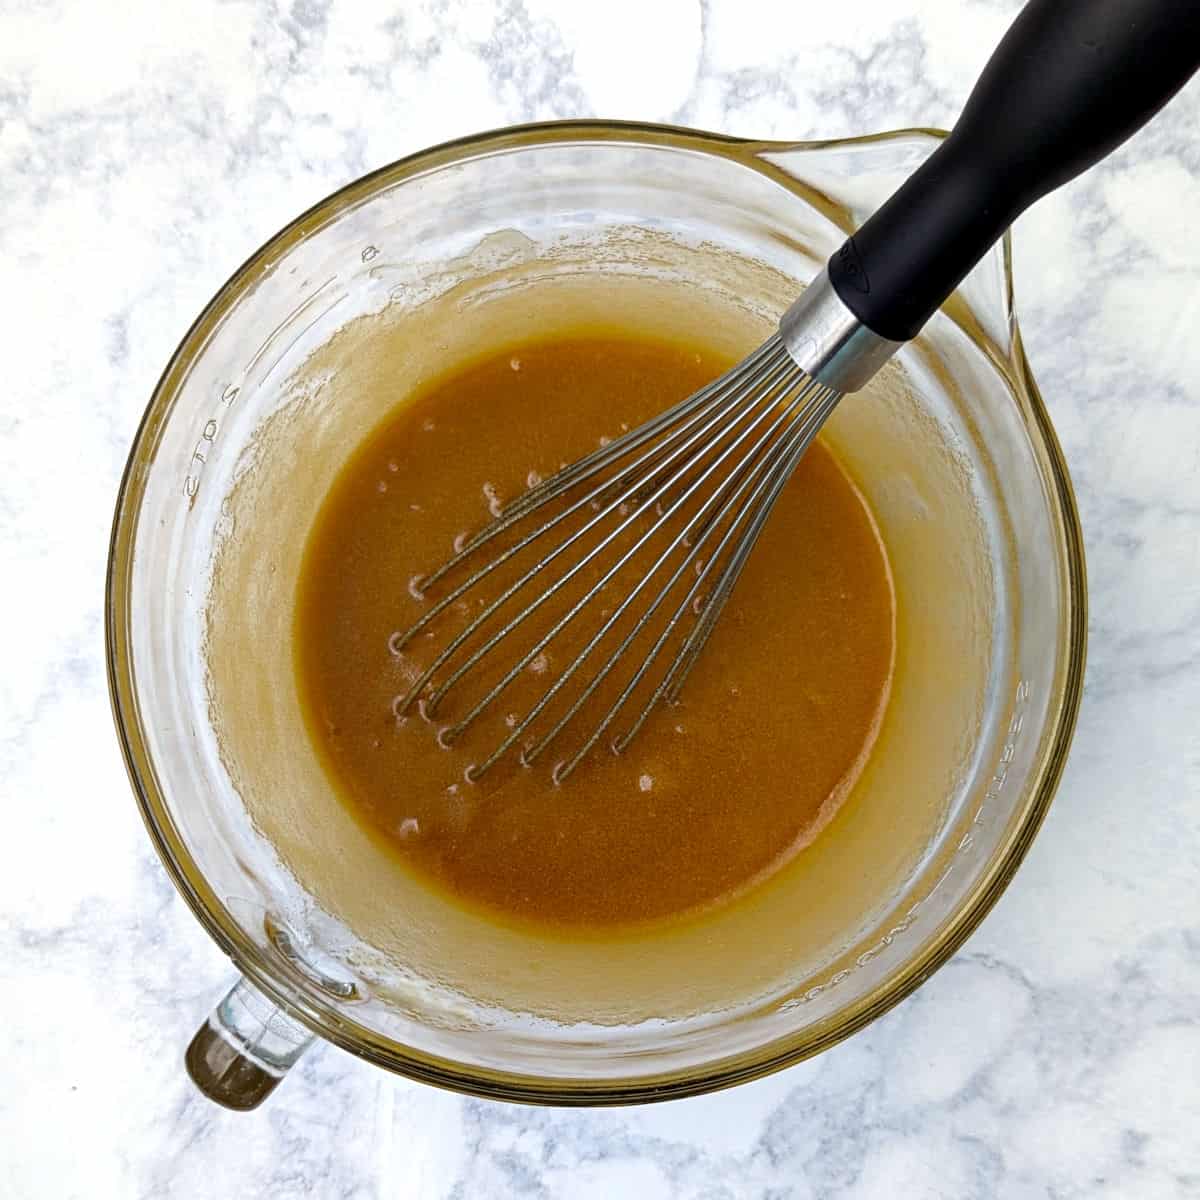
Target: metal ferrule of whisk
x=689, y=491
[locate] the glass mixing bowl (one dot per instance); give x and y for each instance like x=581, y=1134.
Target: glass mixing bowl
x=478, y=240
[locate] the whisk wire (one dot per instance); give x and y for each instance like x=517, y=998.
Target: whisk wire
x=770, y=354
x=777, y=465
x=779, y=366
x=689, y=652
x=456, y=730
x=709, y=468
x=747, y=470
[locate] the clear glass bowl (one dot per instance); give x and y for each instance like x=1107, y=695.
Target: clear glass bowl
x=255, y=410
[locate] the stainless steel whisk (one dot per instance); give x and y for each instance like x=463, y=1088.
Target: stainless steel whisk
x=738, y=440
x=692, y=488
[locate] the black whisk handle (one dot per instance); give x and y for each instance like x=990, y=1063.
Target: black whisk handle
x=1071, y=80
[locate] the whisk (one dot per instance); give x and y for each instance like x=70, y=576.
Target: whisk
x=667, y=514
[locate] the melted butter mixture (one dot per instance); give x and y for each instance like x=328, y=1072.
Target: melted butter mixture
x=718, y=791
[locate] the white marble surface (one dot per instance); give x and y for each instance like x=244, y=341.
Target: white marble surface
x=145, y=149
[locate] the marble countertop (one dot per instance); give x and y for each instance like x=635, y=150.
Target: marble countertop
x=145, y=150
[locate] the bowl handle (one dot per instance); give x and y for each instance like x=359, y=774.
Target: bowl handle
x=247, y=1045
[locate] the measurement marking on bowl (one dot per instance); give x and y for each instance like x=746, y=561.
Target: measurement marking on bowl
x=291, y=316
x=208, y=437
x=1008, y=751
x=319, y=317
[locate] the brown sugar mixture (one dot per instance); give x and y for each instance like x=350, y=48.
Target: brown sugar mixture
x=717, y=791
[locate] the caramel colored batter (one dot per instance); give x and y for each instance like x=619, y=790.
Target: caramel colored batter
x=718, y=791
